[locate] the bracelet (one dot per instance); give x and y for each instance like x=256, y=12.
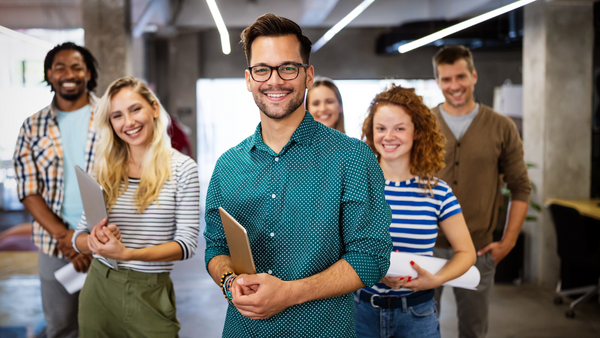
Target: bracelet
x=223, y=279
x=227, y=286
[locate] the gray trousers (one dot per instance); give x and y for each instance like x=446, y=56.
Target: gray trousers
x=60, y=308
x=471, y=306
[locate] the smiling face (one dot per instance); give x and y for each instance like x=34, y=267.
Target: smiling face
x=393, y=133
x=457, y=83
x=69, y=75
x=132, y=118
x=324, y=106
x=277, y=98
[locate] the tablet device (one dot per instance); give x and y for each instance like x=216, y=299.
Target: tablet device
x=239, y=245
x=92, y=197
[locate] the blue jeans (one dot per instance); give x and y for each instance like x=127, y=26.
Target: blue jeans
x=412, y=322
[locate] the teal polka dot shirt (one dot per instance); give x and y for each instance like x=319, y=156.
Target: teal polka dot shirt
x=320, y=199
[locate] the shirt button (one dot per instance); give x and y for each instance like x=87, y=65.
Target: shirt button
x=455, y=182
x=276, y=159
x=272, y=234
x=458, y=144
x=456, y=163
x=270, y=272
x=273, y=196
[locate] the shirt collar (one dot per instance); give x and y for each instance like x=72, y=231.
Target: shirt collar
x=303, y=134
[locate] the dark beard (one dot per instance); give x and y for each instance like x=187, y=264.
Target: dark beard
x=292, y=106
x=71, y=97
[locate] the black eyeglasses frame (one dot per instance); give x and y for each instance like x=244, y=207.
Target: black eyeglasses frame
x=277, y=69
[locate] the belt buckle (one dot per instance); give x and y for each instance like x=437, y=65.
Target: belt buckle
x=372, y=304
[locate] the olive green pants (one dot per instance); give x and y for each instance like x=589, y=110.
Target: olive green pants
x=126, y=303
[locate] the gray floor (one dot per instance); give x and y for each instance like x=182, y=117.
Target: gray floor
x=523, y=311
x=516, y=311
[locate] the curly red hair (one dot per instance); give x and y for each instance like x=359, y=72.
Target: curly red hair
x=427, y=154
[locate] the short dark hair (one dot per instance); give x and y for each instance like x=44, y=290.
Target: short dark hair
x=90, y=62
x=448, y=55
x=273, y=25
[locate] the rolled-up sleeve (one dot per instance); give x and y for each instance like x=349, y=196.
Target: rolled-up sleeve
x=187, y=212
x=216, y=242
x=26, y=172
x=366, y=216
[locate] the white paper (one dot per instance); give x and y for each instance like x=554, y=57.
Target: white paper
x=69, y=278
x=400, y=266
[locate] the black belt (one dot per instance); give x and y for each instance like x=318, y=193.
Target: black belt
x=394, y=302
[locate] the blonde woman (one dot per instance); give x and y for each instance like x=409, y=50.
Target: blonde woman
x=152, y=196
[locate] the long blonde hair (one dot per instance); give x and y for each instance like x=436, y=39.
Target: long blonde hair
x=112, y=153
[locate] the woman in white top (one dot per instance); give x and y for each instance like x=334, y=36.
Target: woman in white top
x=152, y=196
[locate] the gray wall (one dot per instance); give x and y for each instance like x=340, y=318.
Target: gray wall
x=351, y=55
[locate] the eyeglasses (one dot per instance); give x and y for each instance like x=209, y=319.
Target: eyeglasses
x=287, y=71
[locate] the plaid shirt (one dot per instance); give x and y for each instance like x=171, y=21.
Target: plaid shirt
x=38, y=161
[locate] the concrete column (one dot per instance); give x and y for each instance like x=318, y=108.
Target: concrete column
x=557, y=117
x=107, y=25
x=139, y=58
x=184, y=71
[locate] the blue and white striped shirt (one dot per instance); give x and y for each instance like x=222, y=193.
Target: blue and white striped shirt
x=415, y=217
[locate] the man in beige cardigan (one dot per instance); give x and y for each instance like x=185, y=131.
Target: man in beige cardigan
x=480, y=146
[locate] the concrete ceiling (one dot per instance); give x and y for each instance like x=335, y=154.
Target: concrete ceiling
x=194, y=14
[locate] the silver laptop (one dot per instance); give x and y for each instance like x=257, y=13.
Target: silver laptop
x=92, y=197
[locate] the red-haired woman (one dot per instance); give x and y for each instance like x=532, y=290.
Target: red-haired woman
x=405, y=137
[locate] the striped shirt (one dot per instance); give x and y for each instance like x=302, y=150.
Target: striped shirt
x=174, y=218
x=39, y=166
x=415, y=218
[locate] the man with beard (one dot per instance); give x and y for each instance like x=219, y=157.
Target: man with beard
x=311, y=199
x=481, y=145
x=51, y=142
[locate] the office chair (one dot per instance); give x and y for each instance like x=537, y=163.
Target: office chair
x=578, y=244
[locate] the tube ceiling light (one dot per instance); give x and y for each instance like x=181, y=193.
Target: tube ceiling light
x=340, y=25
x=214, y=10
x=27, y=38
x=460, y=26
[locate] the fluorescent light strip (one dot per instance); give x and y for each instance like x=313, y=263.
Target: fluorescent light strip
x=27, y=38
x=340, y=25
x=214, y=10
x=460, y=26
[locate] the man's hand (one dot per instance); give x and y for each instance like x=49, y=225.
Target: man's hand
x=245, y=290
x=81, y=262
x=64, y=243
x=271, y=296
x=499, y=250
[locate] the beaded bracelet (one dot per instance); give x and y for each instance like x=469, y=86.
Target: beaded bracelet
x=227, y=286
x=223, y=278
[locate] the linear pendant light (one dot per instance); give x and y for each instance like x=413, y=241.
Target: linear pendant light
x=460, y=26
x=340, y=25
x=214, y=10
